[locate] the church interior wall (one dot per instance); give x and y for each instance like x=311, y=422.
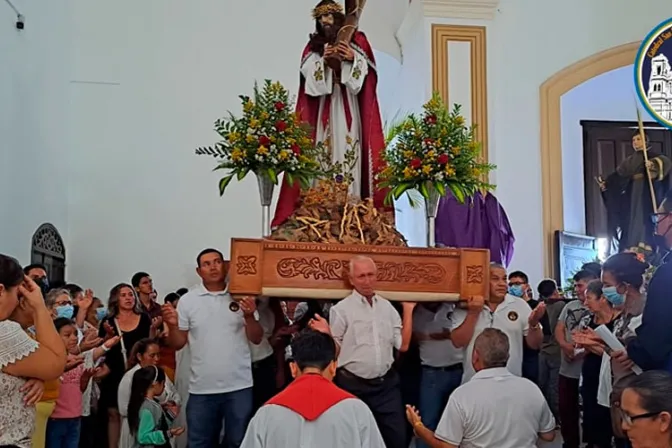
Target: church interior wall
x=607, y=97
x=33, y=123
x=528, y=42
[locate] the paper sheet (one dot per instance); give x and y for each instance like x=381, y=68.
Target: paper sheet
x=614, y=344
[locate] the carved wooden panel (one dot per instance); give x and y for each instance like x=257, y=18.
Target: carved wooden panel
x=319, y=271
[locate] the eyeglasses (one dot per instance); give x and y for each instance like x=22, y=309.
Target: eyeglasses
x=628, y=419
x=657, y=217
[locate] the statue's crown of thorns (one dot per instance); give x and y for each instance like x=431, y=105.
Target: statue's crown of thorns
x=329, y=8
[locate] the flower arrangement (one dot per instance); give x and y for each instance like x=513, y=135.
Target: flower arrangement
x=434, y=153
x=268, y=139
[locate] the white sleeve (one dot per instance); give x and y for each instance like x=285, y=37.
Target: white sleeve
x=183, y=320
x=15, y=344
x=170, y=393
x=124, y=392
x=337, y=324
x=396, y=327
x=546, y=419
x=457, y=318
x=354, y=73
x=318, y=76
x=451, y=426
x=525, y=312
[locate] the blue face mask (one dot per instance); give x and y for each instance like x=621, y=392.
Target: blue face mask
x=613, y=296
x=101, y=313
x=516, y=290
x=66, y=311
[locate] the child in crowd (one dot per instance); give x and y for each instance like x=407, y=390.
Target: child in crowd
x=147, y=420
x=63, y=427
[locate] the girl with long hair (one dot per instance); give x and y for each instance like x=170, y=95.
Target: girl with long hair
x=147, y=420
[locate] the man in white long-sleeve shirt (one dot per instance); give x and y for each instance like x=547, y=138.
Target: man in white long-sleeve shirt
x=312, y=411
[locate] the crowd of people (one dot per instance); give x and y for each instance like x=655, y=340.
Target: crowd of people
x=206, y=369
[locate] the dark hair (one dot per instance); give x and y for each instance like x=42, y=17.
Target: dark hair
x=547, y=288
x=585, y=274
x=593, y=267
x=113, y=301
x=73, y=289
x=519, y=274
x=182, y=291
x=654, y=388
x=595, y=288
x=314, y=349
x=139, y=348
x=61, y=322
x=32, y=266
x=143, y=379
x=206, y=252
x=626, y=268
x=171, y=297
x=137, y=278
x=637, y=133
x=11, y=274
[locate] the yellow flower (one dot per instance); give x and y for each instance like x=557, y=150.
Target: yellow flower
x=284, y=155
x=250, y=138
x=305, y=141
x=409, y=172
x=262, y=150
x=290, y=141
x=348, y=140
x=475, y=172
x=459, y=121
x=236, y=155
x=254, y=123
x=248, y=106
x=303, y=159
x=408, y=154
x=472, y=145
x=264, y=115
x=234, y=137
x=450, y=171
x=456, y=150
x=426, y=169
x=272, y=139
x=431, y=154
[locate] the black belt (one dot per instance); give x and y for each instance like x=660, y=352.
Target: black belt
x=450, y=368
x=263, y=362
x=348, y=374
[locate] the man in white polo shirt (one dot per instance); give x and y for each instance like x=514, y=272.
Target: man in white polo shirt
x=494, y=409
x=218, y=330
x=503, y=311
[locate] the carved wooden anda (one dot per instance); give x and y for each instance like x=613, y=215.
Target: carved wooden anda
x=319, y=271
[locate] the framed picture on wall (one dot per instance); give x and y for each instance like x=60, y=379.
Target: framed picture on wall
x=573, y=251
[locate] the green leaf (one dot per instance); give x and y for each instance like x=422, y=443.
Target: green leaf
x=424, y=191
x=289, y=179
x=273, y=176
x=389, y=199
x=441, y=188
x=305, y=182
x=400, y=189
x=223, y=183
x=457, y=191
x=242, y=173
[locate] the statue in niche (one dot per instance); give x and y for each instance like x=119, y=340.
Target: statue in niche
x=337, y=97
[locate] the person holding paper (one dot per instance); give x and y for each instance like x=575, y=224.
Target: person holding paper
x=651, y=348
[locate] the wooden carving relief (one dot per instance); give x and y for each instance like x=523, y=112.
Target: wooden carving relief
x=319, y=271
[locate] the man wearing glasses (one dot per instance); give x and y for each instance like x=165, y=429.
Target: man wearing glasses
x=651, y=349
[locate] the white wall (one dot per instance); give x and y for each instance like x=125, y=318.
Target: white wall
x=610, y=96
x=34, y=70
x=528, y=42
x=150, y=78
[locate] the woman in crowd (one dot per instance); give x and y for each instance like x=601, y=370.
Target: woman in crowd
x=125, y=319
x=145, y=353
x=22, y=357
x=59, y=302
x=596, y=418
x=646, y=410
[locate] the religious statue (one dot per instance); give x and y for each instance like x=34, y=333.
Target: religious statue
x=337, y=97
x=628, y=197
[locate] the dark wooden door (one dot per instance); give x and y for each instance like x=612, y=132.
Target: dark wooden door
x=605, y=145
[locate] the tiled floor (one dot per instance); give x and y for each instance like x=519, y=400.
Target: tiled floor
x=557, y=443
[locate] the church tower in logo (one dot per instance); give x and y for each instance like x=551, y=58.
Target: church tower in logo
x=660, y=87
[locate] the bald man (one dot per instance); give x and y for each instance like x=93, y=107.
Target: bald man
x=367, y=329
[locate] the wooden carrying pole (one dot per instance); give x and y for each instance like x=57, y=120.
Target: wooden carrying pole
x=353, y=12
x=642, y=135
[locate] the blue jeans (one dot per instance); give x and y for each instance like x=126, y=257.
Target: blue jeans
x=436, y=385
x=63, y=432
x=206, y=412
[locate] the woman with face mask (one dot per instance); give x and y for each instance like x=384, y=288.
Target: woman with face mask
x=59, y=302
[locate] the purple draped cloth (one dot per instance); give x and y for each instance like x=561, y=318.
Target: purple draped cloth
x=480, y=223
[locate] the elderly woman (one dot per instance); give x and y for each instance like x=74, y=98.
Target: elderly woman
x=21, y=357
x=145, y=353
x=646, y=410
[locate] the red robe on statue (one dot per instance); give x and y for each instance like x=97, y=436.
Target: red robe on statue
x=371, y=142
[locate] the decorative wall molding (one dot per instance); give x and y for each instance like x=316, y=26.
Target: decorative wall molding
x=550, y=94
x=461, y=9
x=475, y=35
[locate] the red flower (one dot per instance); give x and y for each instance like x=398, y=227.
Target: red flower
x=429, y=141
x=415, y=163
x=443, y=159
x=264, y=141
x=430, y=119
x=296, y=149
x=280, y=126
x=279, y=106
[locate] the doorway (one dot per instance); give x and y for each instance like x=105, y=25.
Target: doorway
x=605, y=145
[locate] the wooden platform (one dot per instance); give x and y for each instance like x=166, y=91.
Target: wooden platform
x=319, y=271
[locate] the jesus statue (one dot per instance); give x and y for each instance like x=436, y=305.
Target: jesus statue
x=337, y=97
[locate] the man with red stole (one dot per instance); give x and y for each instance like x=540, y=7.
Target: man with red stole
x=337, y=98
x=312, y=411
